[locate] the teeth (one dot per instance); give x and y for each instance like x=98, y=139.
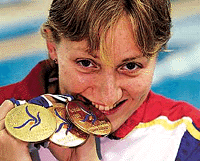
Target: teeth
x=102, y=108
x=107, y=108
x=111, y=107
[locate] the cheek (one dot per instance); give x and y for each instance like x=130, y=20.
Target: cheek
x=139, y=87
x=72, y=81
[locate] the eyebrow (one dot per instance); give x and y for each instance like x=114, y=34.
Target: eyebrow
x=93, y=55
x=133, y=58
x=87, y=51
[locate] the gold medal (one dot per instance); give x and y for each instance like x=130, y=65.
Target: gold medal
x=30, y=123
x=88, y=118
x=66, y=133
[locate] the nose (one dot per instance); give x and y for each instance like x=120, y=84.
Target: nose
x=109, y=89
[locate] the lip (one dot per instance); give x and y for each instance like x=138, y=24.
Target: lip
x=115, y=109
x=106, y=112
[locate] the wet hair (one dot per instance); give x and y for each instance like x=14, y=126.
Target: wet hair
x=90, y=20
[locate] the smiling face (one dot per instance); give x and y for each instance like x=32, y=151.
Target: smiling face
x=116, y=88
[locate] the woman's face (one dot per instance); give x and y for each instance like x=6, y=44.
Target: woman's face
x=116, y=88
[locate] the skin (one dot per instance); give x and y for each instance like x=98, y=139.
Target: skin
x=126, y=76
x=11, y=148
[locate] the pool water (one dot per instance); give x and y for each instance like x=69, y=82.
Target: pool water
x=15, y=69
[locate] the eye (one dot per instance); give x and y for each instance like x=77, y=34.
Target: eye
x=85, y=63
x=130, y=68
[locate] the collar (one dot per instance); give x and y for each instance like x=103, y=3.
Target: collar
x=131, y=122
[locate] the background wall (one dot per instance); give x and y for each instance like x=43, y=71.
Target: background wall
x=177, y=72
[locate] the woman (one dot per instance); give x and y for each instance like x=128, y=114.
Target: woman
x=106, y=50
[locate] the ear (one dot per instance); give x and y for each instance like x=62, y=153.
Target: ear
x=51, y=45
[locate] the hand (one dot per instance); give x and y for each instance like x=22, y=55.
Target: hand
x=11, y=149
x=82, y=153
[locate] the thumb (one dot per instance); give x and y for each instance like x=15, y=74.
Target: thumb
x=88, y=151
x=61, y=153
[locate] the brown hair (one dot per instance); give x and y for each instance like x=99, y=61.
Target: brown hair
x=77, y=20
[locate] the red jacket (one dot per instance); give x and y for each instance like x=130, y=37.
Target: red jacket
x=33, y=85
x=42, y=80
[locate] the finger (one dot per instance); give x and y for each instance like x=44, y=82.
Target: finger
x=60, y=153
x=2, y=124
x=89, y=146
x=6, y=106
x=56, y=148
x=12, y=149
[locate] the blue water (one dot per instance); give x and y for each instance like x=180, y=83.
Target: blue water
x=14, y=70
x=185, y=88
x=182, y=87
x=20, y=28
x=185, y=38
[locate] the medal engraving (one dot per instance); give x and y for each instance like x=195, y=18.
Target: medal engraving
x=30, y=123
x=66, y=133
x=88, y=118
x=36, y=121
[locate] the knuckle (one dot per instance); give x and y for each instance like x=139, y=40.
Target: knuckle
x=3, y=135
x=5, y=107
x=7, y=103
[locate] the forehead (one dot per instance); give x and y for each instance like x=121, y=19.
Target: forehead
x=121, y=36
x=118, y=41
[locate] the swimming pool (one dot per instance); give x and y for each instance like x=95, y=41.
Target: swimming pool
x=15, y=69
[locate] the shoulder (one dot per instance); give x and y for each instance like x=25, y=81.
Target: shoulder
x=159, y=105
x=31, y=86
